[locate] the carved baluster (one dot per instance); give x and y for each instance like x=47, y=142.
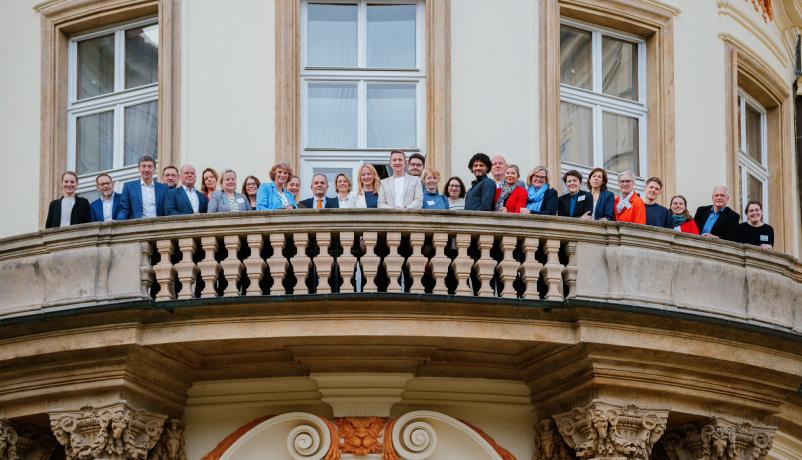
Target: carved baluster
x=323, y=263
x=301, y=263
x=254, y=264
x=232, y=266
x=165, y=272
x=416, y=263
x=530, y=269
x=393, y=261
x=508, y=267
x=146, y=273
x=370, y=261
x=569, y=274
x=553, y=271
x=209, y=267
x=347, y=261
x=277, y=264
x=485, y=266
x=186, y=270
x=439, y=263
x=462, y=265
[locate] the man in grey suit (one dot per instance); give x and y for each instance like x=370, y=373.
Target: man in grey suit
x=401, y=190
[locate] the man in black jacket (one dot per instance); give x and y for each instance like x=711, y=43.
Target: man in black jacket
x=483, y=189
x=718, y=220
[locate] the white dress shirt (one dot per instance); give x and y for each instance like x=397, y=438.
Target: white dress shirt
x=193, y=198
x=148, y=199
x=107, y=208
x=398, y=185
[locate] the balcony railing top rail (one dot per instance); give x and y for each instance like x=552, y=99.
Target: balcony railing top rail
x=464, y=254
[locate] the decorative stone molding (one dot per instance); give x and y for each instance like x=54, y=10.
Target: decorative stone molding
x=601, y=431
x=361, y=435
x=720, y=439
x=8, y=441
x=549, y=445
x=170, y=445
x=115, y=431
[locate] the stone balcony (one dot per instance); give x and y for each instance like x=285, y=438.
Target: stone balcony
x=550, y=317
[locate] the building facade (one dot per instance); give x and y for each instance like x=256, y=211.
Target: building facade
x=349, y=334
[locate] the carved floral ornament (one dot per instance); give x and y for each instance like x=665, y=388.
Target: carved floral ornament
x=411, y=436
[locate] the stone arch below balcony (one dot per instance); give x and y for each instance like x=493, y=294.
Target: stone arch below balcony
x=419, y=435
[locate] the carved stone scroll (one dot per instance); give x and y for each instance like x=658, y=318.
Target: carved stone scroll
x=601, y=431
x=114, y=432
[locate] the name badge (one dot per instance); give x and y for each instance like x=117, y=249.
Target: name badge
x=764, y=238
x=240, y=200
x=581, y=198
x=430, y=203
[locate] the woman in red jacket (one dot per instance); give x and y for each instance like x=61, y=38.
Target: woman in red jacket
x=510, y=195
x=683, y=220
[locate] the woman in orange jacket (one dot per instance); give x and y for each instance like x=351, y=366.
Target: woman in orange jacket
x=628, y=205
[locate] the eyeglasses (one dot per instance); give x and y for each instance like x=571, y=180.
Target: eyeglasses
x=540, y=177
x=453, y=185
x=625, y=181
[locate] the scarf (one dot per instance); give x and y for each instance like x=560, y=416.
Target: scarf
x=535, y=199
x=623, y=203
x=506, y=191
x=679, y=219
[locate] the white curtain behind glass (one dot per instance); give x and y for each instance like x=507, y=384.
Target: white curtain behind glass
x=332, y=35
x=391, y=115
x=620, y=143
x=391, y=36
x=332, y=115
x=96, y=66
x=95, y=142
x=141, y=130
x=576, y=134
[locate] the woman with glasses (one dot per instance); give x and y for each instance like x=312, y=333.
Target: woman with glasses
x=455, y=192
x=541, y=199
x=754, y=231
x=628, y=205
x=249, y=189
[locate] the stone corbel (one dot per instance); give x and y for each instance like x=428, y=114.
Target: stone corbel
x=601, y=431
x=34, y=444
x=115, y=431
x=549, y=445
x=720, y=439
x=8, y=441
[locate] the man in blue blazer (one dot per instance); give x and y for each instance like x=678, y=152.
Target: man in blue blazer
x=185, y=199
x=143, y=197
x=108, y=205
x=319, y=200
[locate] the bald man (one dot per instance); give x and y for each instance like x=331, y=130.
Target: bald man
x=718, y=221
x=185, y=199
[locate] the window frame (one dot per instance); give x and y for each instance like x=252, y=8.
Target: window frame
x=362, y=76
x=116, y=101
x=746, y=164
x=600, y=103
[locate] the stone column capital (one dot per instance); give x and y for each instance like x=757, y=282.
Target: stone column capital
x=114, y=431
x=719, y=439
x=602, y=431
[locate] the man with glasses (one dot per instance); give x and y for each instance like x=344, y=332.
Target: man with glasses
x=106, y=207
x=628, y=205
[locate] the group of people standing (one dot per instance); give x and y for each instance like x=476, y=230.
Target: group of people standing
x=498, y=187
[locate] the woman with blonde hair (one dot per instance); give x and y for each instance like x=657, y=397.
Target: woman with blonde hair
x=228, y=199
x=432, y=199
x=541, y=199
x=274, y=195
x=342, y=185
x=367, y=192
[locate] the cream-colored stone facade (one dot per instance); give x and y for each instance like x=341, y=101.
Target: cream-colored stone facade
x=471, y=336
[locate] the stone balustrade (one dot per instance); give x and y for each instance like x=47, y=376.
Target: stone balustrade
x=507, y=258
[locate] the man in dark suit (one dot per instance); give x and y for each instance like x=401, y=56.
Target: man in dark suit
x=483, y=189
x=319, y=200
x=143, y=197
x=108, y=205
x=185, y=199
x=718, y=220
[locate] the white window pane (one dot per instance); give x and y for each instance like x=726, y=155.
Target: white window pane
x=754, y=189
x=141, y=131
x=391, y=115
x=620, y=68
x=332, y=114
x=576, y=61
x=391, y=36
x=95, y=66
x=141, y=56
x=754, y=135
x=620, y=143
x=576, y=134
x=95, y=142
x=332, y=35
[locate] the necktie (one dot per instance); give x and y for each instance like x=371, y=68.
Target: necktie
x=319, y=204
